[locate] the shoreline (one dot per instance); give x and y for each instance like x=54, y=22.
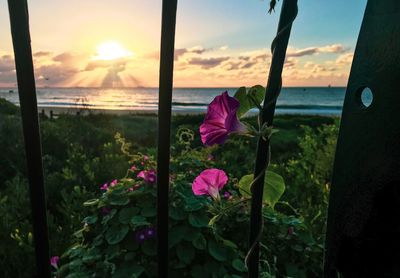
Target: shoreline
x=48, y=110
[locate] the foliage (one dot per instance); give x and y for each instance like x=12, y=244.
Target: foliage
x=82, y=153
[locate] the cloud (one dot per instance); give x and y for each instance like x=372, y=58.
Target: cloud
x=7, y=63
x=207, y=63
x=179, y=52
x=41, y=54
x=345, y=59
x=334, y=48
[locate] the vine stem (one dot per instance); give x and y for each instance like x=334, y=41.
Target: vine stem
x=278, y=49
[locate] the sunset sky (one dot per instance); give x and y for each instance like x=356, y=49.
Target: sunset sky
x=219, y=43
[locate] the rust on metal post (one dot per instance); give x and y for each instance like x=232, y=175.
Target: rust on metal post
x=19, y=20
x=164, y=124
x=279, y=47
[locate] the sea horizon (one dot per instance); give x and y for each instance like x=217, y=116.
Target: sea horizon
x=293, y=100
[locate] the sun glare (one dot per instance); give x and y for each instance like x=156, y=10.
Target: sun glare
x=111, y=51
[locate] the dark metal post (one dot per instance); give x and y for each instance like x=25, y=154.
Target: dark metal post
x=164, y=123
x=27, y=95
x=279, y=46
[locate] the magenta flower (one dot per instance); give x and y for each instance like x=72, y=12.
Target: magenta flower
x=145, y=157
x=54, y=261
x=104, y=187
x=149, y=176
x=113, y=183
x=133, y=168
x=227, y=195
x=209, y=182
x=221, y=120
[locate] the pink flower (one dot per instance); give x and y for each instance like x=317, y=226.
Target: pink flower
x=54, y=261
x=145, y=157
x=221, y=120
x=227, y=195
x=105, y=211
x=209, y=182
x=149, y=176
x=133, y=168
x=210, y=157
x=104, y=187
x=113, y=183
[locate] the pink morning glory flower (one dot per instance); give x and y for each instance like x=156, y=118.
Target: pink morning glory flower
x=221, y=120
x=209, y=182
x=113, y=183
x=54, y=261
x=149, y=176
x=104, y=187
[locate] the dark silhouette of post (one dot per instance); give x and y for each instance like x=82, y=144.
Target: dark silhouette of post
x=362, y=238
x=19, y=19
x=279, y=46
x=164, y=124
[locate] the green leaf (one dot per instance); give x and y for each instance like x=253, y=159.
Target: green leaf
x=241, y=96
x=149, y=212
x=239, y=265
x=185, y=253
x=109, y=216
x=274, y=187
x=91, y=202
x=176, y=234
x=249, y=99
x=177, y=213
x=139, y=220
x=126, y=214
x=198, y=220
x=149, y=247
x=217, y=251
x=116, y=234
x=199, y=242
x=257, y=94
x=90, y=219
x=118, y=200
x=128, y=271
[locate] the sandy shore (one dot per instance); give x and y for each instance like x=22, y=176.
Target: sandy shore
x=84, y=111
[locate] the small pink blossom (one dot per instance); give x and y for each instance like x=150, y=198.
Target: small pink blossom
x=221, y=120
x=105, y=211
x=149, y=176
x=133, y=168
x=104, y=187
x=227, y=195
x=209, y=182
x=54, y=261
x=113, y=183
x=210, y=157
x=145, y=157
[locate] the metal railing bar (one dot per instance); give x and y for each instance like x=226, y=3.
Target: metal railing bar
x=168, y=24
x=279, y=47
x=19, y=19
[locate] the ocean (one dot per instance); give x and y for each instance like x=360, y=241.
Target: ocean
x=293, y=100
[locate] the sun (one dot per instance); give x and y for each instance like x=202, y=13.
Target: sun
x=111, y=51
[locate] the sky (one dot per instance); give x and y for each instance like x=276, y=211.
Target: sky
x=219, y=43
